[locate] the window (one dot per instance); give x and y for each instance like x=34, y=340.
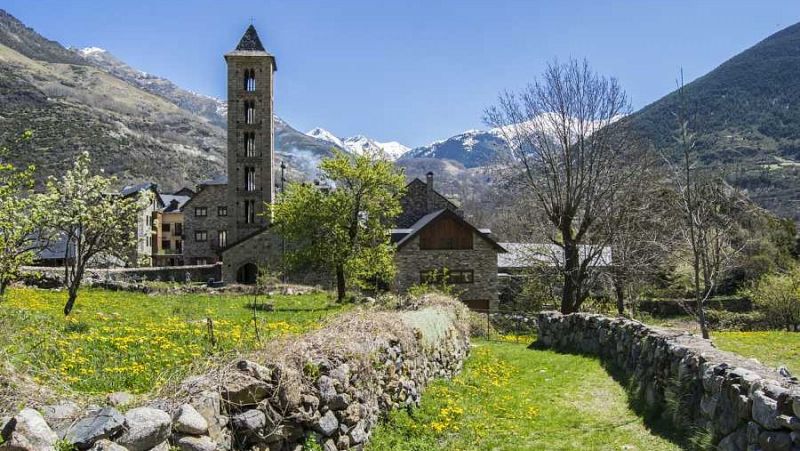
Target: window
x=200, y=211
x=250, y=211
x=165, y=244
x=200, y=235
x=222, y=211
x=200, y=261
x=250, y=112
x=222, y=238
x=179, y=246
x=165, y=227
x=178, y=229
x=249, y=178
x=250, y=80
x=460, y=276
x=250, y=144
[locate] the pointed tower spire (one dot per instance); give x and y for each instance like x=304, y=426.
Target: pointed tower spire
x=250, y=41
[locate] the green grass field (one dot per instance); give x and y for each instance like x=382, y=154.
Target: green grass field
x=772, y=348
x=512, y=398
x=121, y=341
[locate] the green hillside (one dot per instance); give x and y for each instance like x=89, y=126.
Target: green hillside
x=746, y=114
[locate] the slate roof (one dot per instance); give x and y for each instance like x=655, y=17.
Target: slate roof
x=250, y=41
x=173, y=202
x=403, y=236
x=133, y=189
x=217, y=180
x=529, y=255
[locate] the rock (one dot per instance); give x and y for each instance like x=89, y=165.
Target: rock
x=765, y=411
x=192, y=443
x=100, y=424
x=61, y=416
x=339, y=402
x=208, y=403
x=359, y=433
x=342, y=374
x=28, y=431
x=145, y=428
x=107, y=445
x=775, y=441
x=327, y=388
x=789, y=422
x=254, y=370
x=163, y=446
x=735, y=441
x=188, y=420
x=351, y=414
x=329, y=445
x=249, y=421
x=119, y=399
x=327, y=424
x=243, y=390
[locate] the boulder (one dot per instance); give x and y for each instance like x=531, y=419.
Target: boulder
x=28, y=431
x=327, y=388
x=192, y=443
x=100, y=424
x=61, y=416
x=765, y=411
x=145, y=429
x=359, y=433
x=188, y=420
x=339, y=402
x=249, y=421
x=327, y=424
x=775, y=441
x=241, y=389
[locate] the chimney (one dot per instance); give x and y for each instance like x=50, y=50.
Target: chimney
x=430, y=193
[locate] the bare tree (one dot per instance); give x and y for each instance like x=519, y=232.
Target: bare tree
x=711, y=214
x=571, y=156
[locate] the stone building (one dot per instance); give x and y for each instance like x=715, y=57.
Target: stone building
x=433, y=241
x=142, y=254
x=206, y=223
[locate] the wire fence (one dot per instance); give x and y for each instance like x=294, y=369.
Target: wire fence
x=515, y=326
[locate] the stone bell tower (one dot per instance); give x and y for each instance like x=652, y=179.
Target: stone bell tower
x=250, y=135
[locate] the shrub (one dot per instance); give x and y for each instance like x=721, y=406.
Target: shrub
x=724, y=320
x=778, y=297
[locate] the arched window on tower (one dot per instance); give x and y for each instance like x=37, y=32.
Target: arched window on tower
x=250, y=112
x=250, y=80
x=249, y=178
x=250, y=144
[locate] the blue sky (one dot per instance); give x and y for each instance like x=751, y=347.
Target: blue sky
x=412, y=71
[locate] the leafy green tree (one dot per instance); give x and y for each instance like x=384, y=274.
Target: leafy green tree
x=344, y=229
x=778, y=297
x=91, y=218
x=21, y=214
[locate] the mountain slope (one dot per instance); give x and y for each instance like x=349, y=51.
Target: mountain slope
x=746, y=116
x=361, y=144
x=137, y=126
x=473, y=148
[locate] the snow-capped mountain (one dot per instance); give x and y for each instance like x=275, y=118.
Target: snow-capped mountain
x=472, y=148
x=361, y=144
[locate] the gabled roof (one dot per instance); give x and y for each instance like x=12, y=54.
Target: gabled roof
x=404, y=236
x=133, y=189
x=436, y=193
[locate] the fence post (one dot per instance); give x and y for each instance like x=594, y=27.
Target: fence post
x=488, y=327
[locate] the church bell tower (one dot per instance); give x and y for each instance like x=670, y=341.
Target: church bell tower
x=250, y=135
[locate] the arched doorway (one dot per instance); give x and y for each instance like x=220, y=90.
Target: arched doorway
x=247, y=274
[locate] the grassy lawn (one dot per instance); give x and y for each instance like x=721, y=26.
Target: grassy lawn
x=135, y=342
x=512, y=398
x=772, y=348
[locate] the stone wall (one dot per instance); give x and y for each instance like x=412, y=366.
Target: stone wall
x=196, y=273
x=739, y=402
x=330, y=386
x=482, y=260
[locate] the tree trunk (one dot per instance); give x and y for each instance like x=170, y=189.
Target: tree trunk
x=3, y=285
x=73, y=295
x=341, y=288
x=569, y=295
x=619, y=292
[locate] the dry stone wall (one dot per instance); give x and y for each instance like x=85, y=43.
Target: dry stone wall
x=741, y=403
x=330, y=386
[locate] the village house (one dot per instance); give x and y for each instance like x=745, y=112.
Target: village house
x=142, y=254
x=434, y=241
x=168, y=238
x=206, y=222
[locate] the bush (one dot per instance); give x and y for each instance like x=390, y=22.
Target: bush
x=724, y=320
x=777, y=296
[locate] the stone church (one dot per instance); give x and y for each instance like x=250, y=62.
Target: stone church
x=226, y=220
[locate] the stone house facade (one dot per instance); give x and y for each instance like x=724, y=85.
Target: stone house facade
x=142, y=253
x=169, y=235
x=205, y=223
x=440, y=243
